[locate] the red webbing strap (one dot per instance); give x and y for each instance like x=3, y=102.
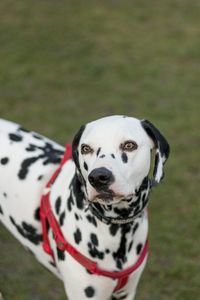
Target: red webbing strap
x=66, y=157
x=62, y=244
x=124, y=279
x=90, y=265
x=45, y=196
x=121, y=282
x=47, y=216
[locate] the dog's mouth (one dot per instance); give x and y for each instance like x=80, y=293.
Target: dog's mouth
x=108, y=198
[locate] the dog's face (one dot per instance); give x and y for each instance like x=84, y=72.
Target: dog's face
x=113, y=156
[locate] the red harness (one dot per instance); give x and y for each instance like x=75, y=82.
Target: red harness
x=47, y=217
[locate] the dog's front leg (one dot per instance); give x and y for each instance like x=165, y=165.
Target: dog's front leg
x=96, y=288
x=80, y=284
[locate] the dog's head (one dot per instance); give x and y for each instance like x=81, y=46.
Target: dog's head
x=113, y=157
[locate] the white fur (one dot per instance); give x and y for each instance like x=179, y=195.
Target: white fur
x=23, y=197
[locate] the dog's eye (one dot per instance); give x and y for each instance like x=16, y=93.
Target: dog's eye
x=129, y=146
x=86, y=149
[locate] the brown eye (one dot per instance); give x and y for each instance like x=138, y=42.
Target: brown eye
x=86, y=149
x=129, y=146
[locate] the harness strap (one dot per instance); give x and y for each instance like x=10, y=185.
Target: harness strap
x=45, y=197
x=48, y=219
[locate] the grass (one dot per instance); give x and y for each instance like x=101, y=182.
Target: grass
x=65, y=63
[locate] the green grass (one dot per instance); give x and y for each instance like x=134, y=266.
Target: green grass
x=64, y=63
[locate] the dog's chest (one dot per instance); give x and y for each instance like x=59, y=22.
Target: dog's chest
x=110, y=245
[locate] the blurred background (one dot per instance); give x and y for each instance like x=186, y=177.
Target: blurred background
x=64, y=63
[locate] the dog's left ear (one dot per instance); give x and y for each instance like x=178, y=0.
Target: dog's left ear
x=162, y=149
x=75, y=144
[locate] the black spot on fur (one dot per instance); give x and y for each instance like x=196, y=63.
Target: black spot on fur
x=79, y=194
x=15, y=137
x=113, y=229
x=108, y=207
x=113, y=156
x=123, y=212
x=144, y=199
x=89, y=292
x=57, y=205
x=94, y=252
x=92, y=220
x=49, y=155
x=136, y=204
x=5, y=195
x=120, y=254
x=31, y=148
x=130, y=246
x=102, y=156
x=23, y=129
x=94, y=239
x=25, y=166
x=75, y=144
x=124, y=157
x=144, y=186
x=37, y=214
x=1, y=210
x=52, y=263
x=27, y=231
x=138, y=248
x=4, y=160
x=98, y=151
x=99, y=208
x=28, y=228
x=62, y=218
x=61, y=254
x=40, y=177
x=85, y=166
x=76, y=216
x=77, y=236
x=37, y=136
x=70, y=202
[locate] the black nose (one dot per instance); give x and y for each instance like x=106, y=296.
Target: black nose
x=101, y=178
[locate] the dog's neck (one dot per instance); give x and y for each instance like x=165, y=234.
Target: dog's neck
x=124, y=212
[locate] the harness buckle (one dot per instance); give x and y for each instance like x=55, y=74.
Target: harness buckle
x=60, y=245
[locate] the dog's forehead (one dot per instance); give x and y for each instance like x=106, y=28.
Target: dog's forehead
x=113, y=130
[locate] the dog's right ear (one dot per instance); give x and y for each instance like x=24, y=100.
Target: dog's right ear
x=75, y=145
x=161, y=147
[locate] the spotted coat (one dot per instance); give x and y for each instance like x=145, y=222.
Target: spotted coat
x=27, y=161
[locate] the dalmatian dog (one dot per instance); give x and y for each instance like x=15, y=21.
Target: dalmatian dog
x=99, y=199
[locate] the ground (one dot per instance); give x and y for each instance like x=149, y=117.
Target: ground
x=65, y=63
